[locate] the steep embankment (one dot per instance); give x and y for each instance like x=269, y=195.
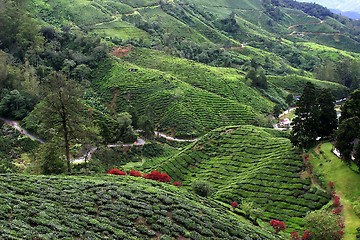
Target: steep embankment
x=251, y=164
x=39, y=207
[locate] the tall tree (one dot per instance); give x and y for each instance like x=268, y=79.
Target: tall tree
x=348, y=134
x=304, y=125
x=62, y=113
x=327, y=114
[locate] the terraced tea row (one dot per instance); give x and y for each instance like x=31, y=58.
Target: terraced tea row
x=178, y=106
x=114, y=207
x=246, y=163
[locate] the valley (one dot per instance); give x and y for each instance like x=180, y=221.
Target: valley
x=147, y=119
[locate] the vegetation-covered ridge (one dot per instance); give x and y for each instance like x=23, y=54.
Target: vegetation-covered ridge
x=250, y=164
x=111, y=207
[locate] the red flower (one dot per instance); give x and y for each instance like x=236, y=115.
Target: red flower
x=277, y=225
x=135, y=173
x=294, y=235
x=116, y=171
x=306, y=235
x=234, y=204
x=337, y=210
x=158, y=176
x=307, y=158
x=336, y=200
x=331, y=185
x=177, y=184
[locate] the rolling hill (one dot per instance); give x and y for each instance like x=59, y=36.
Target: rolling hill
x=113, y=207
x=250, y=164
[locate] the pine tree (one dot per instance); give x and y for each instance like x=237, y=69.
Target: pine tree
x=348, y=134
x=327, y=114
x=304, y=126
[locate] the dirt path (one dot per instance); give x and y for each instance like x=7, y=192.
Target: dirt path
x=22, y=131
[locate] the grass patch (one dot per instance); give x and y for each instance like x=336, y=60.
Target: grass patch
x=346, y=180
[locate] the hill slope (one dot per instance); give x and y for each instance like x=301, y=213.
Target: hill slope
x=38, y=207
x=246, y=163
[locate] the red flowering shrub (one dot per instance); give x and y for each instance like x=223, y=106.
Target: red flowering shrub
x=158, y=176
x=306, y=235
x=336, y=200
x=337, y=210
x=234, y=204
x=177, y=184
x=135, y=173
x=307, y=157
x=116, y=171
x=340, y=233
x=294, y=235
x=333, y=193
x=341, y=223
x=277, y=225
x=331, y=185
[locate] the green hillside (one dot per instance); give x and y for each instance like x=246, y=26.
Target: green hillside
x=246, y=163
x=113, y=207
x=178, y=106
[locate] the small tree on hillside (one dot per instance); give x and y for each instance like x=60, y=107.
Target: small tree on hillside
x=306, y=122
x=62, y=113
x=257, y=77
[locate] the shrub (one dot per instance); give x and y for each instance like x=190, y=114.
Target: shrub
x=357, y=208
x=234, y=204
x=116, y=171
x=331, y=185
x=203, y=189
x=323, y=225
x=337, y=210
x=277, y=225
x=158, y=176
x=294, y=235
x=306, y=235
x=177, y=184
x=135, y=173
x=336, y=200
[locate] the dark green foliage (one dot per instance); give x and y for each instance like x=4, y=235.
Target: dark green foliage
x=19, y=33
x=50, y=159
x=277, y=110
x=327, y=114
x=153, y=149
x=258, y=78
x=147, y=125
x=16, y=105
x=290, y=99
x=125, y=132
x=349, y=129
x=111, y=207
x=229, y=24
x=312, y=9
x=306, y=122
x=203, y=189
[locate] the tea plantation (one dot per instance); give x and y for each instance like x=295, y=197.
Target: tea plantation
x=178, y=106
x=251, y=164
x=111, y=207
